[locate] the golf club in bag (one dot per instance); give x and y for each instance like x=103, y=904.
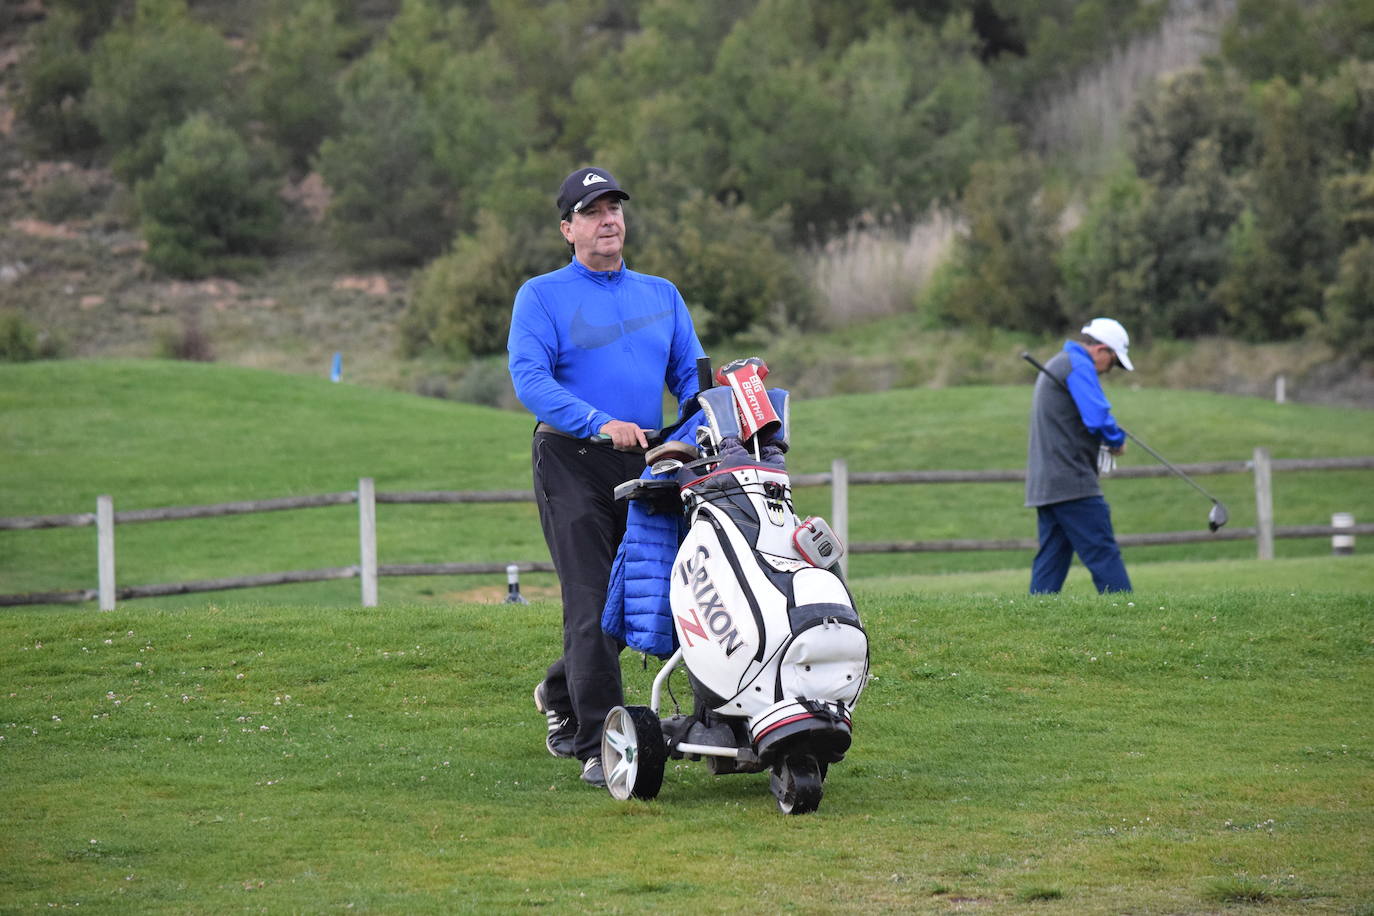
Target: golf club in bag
x=1216, y=517
x=773, y=648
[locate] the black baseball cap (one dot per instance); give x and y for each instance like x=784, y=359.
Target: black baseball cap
x=584, y=186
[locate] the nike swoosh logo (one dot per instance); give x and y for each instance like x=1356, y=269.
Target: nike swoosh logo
x=588, y=336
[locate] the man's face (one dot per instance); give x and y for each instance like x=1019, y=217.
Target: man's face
x=597, y=232
x=1104, y=357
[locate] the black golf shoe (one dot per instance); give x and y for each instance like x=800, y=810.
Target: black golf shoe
x=562, y=728
x=592, y=773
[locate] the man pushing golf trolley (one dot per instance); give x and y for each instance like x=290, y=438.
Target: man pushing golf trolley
x=774, y=651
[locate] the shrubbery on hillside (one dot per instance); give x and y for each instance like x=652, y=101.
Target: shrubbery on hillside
x=390, y=202
x=208, y=207
x=21, y=342
x=56, y=75
x=150, y=73
x=294, y=87
x=751, y=133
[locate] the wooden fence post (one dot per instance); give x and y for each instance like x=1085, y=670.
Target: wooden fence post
x=367, y=540
x=105, y=551
x=839, y=508
x=1264, y=505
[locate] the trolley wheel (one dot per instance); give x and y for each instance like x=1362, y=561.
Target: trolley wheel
x=797, y=783
x=633, y=753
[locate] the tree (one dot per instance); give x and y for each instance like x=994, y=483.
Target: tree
x=1273, y=38
x=483, y=120
x=1188, y=226
x=209, y=207
x=1005, y=275
x=1179, y=112
x=909, y=135
x=768, y=99
x=1348, y=98
x=1349, y=323
x=663, y=131
x=732, y=267
x=55, y=75
x=1284, y=255
x=148, y=75
x=1292, y=39
x=300, y=59
x=1106, y=261
x=462, y=301
x=390, y=202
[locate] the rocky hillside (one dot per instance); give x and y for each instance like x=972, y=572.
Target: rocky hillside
x=71, y=264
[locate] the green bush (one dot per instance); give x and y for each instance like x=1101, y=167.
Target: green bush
x=463, y=299
x=210, y=206
x=148, y=75
x=1177, y=113
x=1292, y=39
x=1105, y=262
x=1191, y=141
x=70, y=195
x=1274, y=283
x=55, y=76
x=1268, y=38
x=1005, y=275
x=390, y=203
x=300, y=58
x=21, y=342
x=187, y=340
x=1349, y=323
x=732, y=267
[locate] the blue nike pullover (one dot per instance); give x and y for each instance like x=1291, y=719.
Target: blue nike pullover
x=587, y=347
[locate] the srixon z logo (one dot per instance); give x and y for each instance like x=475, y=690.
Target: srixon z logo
x=717, y=620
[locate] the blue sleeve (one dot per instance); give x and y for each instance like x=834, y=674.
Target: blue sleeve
x=686, y=350
x=533, y=349
x=1093, y=407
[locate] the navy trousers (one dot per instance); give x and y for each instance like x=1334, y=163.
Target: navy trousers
x=1082, y=526
x=574, y=483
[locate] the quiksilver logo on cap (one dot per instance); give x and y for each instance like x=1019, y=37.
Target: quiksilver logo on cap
x=591, y=178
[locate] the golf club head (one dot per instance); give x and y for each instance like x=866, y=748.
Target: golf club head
x=1218, y=516
x=665, y=466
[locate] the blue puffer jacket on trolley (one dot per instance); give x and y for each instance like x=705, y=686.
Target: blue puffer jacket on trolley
x=637, y=609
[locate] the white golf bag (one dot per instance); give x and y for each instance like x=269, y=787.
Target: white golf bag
x=774, y=650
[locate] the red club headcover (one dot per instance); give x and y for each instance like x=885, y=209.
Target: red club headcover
x=745, y=379
x=735, y=364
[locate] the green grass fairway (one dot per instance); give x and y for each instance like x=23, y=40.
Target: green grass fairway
x=163, y=434
x=1206, y=750
x=1202, y=746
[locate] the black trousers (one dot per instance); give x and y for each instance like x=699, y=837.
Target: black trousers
x=574, y=483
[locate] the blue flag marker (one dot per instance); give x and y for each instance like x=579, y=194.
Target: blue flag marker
x=336, y=372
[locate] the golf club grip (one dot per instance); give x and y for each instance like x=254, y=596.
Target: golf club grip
x=704, y=374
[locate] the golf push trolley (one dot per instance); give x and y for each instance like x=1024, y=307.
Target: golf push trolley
x=766, y=629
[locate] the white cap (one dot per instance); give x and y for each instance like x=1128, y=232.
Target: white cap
x=1110, y=332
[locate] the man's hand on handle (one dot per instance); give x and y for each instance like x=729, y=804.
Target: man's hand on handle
x=624, y=435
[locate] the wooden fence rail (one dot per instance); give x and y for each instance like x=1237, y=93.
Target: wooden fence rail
x=838, y=478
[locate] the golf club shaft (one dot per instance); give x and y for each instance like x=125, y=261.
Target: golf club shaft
x=1154, y=454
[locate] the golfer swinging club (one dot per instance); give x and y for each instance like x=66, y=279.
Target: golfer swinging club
x=1071, y=427
x=592, y=346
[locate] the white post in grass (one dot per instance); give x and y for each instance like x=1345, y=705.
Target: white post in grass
x=1280, y=390
x=1342, y=545
x=105, y=551
x=839, y=508
x=367, y=540
x=1264, y=505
